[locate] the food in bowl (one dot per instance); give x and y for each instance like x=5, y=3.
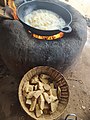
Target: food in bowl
x=44, y=20
x=41, y=95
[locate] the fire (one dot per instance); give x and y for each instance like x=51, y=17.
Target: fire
x=11, y=4
x=53, y=37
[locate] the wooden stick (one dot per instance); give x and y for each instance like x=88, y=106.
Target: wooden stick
x=5, y=2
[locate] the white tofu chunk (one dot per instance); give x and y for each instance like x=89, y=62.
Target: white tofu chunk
x=52, y=85
x=54, y=92
x=27, y=87
x=53, y=98
x=38, y=112
x=37, y=93
x=36, y=87
x=43, y=80
x=30, y=94
x=44, y=76
x=50, y=98
x=28, y=101
x=35, y=79
x=54, y=106
x=41, y=102
x=46, y=87
x=40, y=85
x=47, y=98
x=33, y=104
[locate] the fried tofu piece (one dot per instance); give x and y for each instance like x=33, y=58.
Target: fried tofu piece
x=47, y=97
x=41, y=102
x=29, y=88
x=40, y=86
x=36, y=87
x=28, y=101
x=54, y=106
x=46, y=87
x=35, y=79
x=33, y=104
x=38, y=111
x=30, y=94
x=54, y=92
x=44, y=76
x=52, y=98
x=52, y=85
x=49, y=92
x=37, y=93
x=45, y=81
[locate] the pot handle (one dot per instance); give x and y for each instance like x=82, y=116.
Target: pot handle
x=66, y=29
x=26, y=1
x=71, y=115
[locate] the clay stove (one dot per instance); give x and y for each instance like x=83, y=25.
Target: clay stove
x=21, y=51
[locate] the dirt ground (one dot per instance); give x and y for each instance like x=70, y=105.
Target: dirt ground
x=78, y=78
x=83, y=6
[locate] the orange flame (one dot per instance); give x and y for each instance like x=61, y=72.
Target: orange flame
x=11, y=4
x=53, y=37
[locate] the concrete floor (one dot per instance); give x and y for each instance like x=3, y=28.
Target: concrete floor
x=78, y=78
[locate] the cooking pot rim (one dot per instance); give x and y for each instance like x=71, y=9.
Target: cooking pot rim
x=61, y=29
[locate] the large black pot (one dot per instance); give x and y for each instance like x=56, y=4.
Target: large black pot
x=28, y=6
